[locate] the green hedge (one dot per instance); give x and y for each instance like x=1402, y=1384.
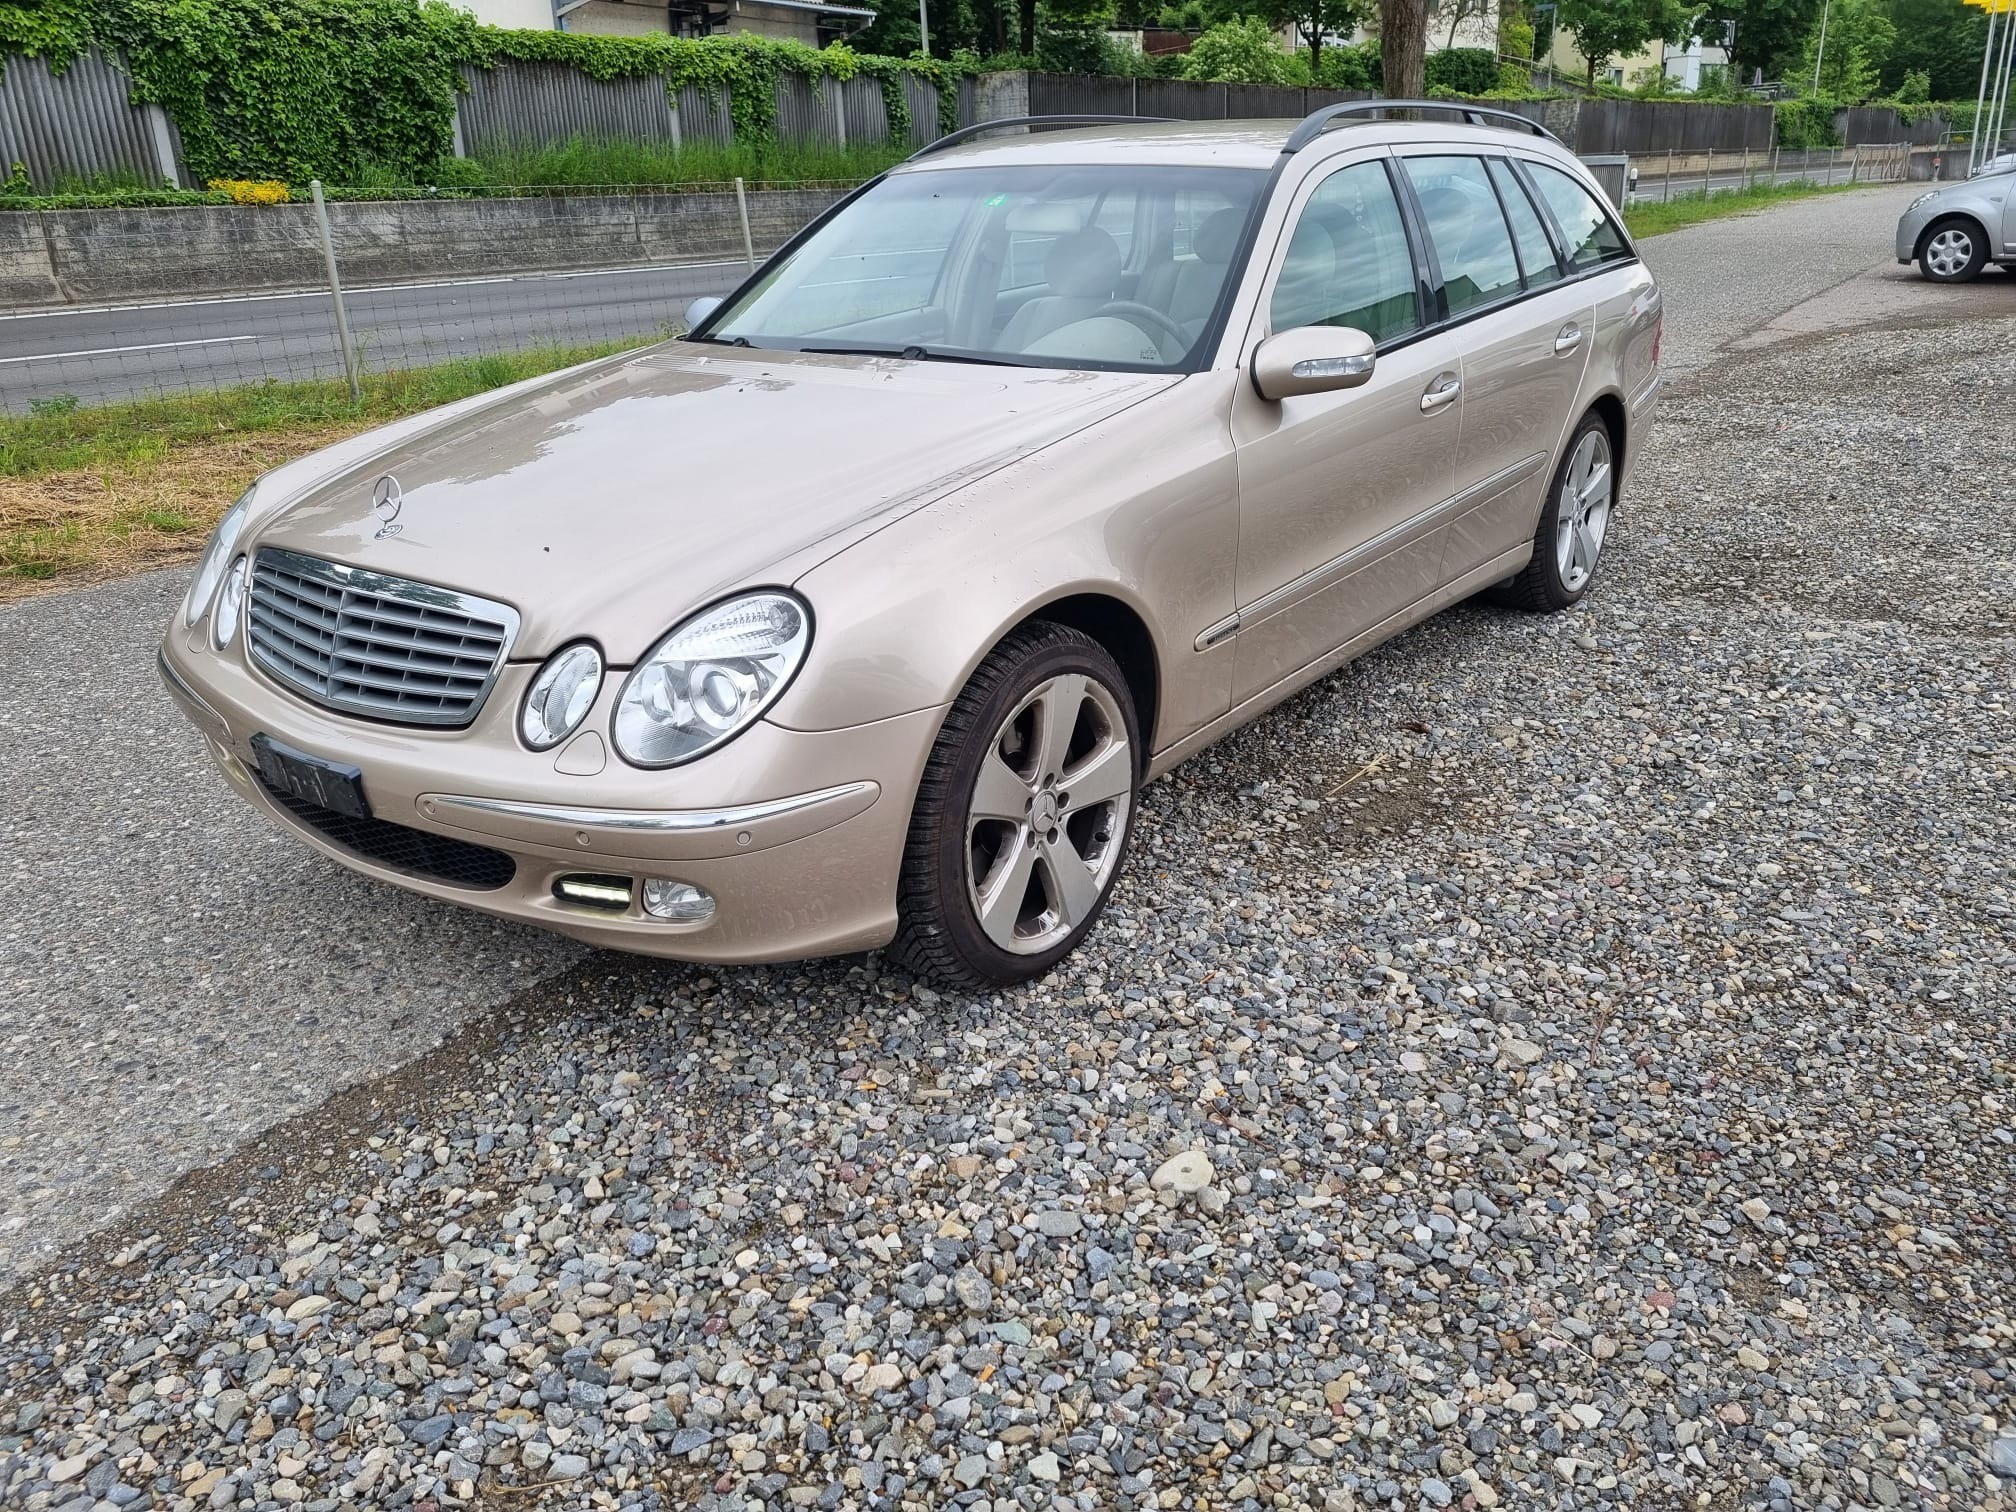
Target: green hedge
x=333, y=89
x=1466, y=70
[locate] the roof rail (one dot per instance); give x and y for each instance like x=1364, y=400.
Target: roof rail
x=1033, y=122
x=1318, y=122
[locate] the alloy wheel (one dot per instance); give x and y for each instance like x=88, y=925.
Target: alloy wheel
x=1582, y=513
x=1048, y=815
x=1949, y=253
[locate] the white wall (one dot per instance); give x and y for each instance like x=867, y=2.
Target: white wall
x=529, y=15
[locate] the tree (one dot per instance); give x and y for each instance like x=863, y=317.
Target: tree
x=1770, y=34
x=1403, y=47
x=1849, y=61
x=1941, y=39
x=1606, y=29
x=1313, y=20
x=1242, y=52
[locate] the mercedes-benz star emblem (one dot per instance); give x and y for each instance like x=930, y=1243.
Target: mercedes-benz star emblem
x=386, y=500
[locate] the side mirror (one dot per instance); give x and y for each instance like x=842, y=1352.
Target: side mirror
x=699, y=310
x=1311, y=360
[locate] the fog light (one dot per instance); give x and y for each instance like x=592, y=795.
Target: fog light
x=681, y=902
x=594, y=892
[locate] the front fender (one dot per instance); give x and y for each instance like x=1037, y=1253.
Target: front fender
x=1142, y=508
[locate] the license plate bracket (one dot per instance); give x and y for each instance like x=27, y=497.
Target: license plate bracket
x=333, y=785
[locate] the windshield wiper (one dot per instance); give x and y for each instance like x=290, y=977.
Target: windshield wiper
x=734, y=341
x=910, y=354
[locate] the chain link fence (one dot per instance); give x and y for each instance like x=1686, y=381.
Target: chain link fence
x=205, y=297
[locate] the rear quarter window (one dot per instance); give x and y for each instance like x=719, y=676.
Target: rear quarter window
x=1592, y=234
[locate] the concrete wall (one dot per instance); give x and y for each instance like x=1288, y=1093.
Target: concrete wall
x=53, y=257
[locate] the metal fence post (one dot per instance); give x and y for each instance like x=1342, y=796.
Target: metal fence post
x=742, y=209
x=1669, y=175
x=1745, y=185
x=336, y=291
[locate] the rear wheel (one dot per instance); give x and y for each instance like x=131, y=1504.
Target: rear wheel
x=1953, y=251
x=1023, y=815
x=1573, y=526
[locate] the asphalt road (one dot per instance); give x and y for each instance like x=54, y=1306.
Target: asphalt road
x=118, y=352
x=175, y=976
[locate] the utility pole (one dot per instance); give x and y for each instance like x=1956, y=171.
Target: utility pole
x=923, y=28
x=1820, y=52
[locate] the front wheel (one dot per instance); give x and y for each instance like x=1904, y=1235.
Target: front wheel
x=1953, y=252
x=1573, y=526
x=1023, y=814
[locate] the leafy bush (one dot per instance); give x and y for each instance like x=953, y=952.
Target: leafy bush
x=1915, y=90
x=1805, y=123
x=1515, y=37
x=1242, y=52
x=251, y=191
x=1466, y=70
x=1350, y=67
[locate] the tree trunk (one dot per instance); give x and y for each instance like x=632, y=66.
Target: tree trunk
x=1403, y=45
x=1028, y=20
x=1315, y=36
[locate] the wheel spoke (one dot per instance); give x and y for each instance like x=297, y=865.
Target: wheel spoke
x=1001, y=899
x=1585, y=547
x=1106, y=774
x=1000, y=792
x=1596, y=486
x=1056, y=717
x=1073, y=889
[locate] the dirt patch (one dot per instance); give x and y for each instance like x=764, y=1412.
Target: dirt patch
x=92, y=523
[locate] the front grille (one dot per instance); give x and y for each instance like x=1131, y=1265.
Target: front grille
x=435, y=857
x=369, y=644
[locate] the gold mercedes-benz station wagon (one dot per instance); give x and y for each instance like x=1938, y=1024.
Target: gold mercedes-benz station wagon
x=858, y=616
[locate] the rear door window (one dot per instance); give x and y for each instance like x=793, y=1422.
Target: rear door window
x=1588, y=228
x=1467, y=228
x=1536, y=252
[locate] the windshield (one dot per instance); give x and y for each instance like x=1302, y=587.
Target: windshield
x=1042, y=266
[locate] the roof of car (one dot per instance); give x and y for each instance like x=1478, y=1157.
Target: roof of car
x=1222, y=144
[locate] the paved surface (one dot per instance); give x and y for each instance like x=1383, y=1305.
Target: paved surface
x=1591, y=1038
x=119, y=352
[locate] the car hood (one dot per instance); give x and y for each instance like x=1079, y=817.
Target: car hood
x=611, y=502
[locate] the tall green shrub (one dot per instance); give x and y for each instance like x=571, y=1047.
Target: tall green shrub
x=1466, y=70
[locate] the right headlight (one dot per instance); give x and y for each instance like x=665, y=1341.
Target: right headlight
x=711, y=678
x=216, y=557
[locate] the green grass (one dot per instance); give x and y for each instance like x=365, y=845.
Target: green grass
x=89, y=492
x=1650, y=218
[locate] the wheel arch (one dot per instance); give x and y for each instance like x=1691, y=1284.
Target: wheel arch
x=1119, y=627
x=1609, y=407
x=1974, y=223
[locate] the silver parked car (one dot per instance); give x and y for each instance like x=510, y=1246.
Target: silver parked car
x=1955, y=230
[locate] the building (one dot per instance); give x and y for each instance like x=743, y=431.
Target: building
x=809, y=21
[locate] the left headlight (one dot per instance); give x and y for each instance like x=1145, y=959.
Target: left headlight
x=230, y=605
x=216, y=557
x=710, y=678
x=1930, y=194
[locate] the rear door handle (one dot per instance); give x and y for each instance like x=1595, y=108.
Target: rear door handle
x=1567, y=339
x=1441, y=392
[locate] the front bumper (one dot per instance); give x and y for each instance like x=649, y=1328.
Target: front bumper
x=798, y=836
x=1910, y=226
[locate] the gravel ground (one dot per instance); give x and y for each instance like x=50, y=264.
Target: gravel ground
x=1554, y=1063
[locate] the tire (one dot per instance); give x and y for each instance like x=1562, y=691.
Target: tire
x=1584, y=490
x=1952, y=250
x=962, y=920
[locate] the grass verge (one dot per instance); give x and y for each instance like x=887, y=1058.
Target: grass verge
x=90, y=493
x=1651, y=217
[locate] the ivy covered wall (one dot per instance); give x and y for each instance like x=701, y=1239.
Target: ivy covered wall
x=300, y=89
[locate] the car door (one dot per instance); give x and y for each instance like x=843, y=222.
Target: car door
x=1340, y=493
x=1523, y=331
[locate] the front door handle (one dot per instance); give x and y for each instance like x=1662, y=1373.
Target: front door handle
x=1567, y=339
x=1441, y=392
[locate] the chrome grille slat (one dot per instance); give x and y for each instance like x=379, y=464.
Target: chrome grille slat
x=365, y=643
